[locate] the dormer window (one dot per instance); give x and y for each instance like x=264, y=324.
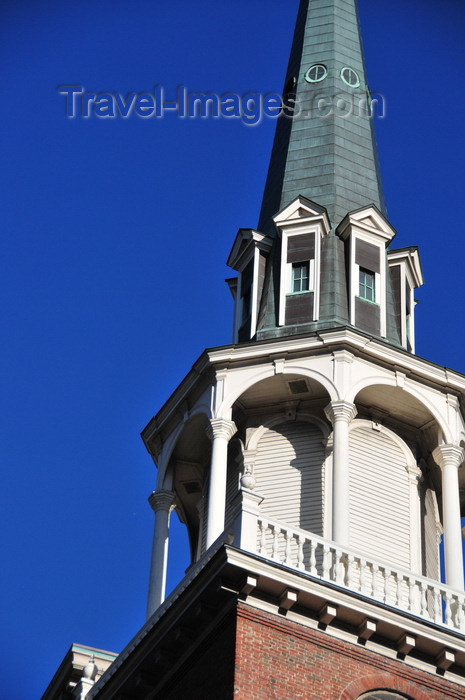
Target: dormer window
x=246, y=303
x=367, y=285
x=300, y=277
x=301, y=226
x=367, y=233
x=248, y=256
x=406, y=276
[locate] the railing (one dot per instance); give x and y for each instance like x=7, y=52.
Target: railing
x=323, y=558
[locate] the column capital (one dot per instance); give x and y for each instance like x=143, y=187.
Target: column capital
x=415, y=475
x=452, y=455
x=162, y=500
x=221, y=428
x=340, y=410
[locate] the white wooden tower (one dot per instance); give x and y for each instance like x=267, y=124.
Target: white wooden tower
x=319, y=430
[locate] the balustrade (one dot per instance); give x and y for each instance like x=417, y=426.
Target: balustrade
x=326, y=560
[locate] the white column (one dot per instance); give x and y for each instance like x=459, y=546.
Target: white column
x=162, y=503
x=340, y=413
x=449, y=458
x=220, y=431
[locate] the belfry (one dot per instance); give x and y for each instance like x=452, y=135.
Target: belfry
x=316, y=462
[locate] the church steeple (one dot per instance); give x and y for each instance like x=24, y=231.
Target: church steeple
x=321, y=257
x=325, y=150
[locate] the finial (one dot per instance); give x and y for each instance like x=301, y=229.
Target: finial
x=90, y=669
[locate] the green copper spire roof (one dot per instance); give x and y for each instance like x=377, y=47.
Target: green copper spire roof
x=327, y=150
x=321, y=257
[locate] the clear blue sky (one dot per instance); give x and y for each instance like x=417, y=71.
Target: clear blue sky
x=115, y=235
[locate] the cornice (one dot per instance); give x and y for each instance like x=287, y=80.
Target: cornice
x=359, y=344
x=227, y=575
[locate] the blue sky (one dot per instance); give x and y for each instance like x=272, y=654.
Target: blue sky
x=115, y=235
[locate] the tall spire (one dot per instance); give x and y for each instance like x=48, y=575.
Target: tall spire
x=326, y=151
x=321, y=256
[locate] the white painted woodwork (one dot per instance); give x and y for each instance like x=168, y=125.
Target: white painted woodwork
x=370, y=576
x=431, y=535
x=162, y=503
x=221, y=431
x=450, y=457
x=386, y=515
x=341, y=413
x=289, y=474
x=380, y=518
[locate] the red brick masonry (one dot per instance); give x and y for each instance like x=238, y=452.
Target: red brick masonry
x=276, y=658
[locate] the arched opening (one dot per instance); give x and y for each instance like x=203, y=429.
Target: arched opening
x=290, y=473
x=282, y=435
x=188, y=469
x=395, y=483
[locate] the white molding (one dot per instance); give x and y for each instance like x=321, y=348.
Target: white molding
x=257, y=434
x=368, y=219
x=299, y=228
x=300, y=217
x=247, y=247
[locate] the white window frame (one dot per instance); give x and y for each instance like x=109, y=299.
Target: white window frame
x=255, y=256
x=380, y=279
x=311, y=277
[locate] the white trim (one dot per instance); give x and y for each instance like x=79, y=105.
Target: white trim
x=246, y=248
x=380, y=278
x=286, y=267
x=254, y=298
x=406, y=276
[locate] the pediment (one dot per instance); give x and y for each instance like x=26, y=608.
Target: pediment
x=411, y=258
x=368, y=219
x=302, y=209
x=245, y=242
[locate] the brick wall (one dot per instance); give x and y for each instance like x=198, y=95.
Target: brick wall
x=281, y=660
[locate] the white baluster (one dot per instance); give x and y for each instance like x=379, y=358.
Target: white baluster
x=326, y=562
x=424, y=602
x=300, y=552
x=349, y=570
x=411, y=594
x=460, y=616
x=287, y=556
x=437, y=605
x=387, y=575
x=448, y=610
x=338, y=566
x=399, y=578
x=263, y=538
x=374, y=571
x=363, y=566
x=275, y=550
x=313, y=569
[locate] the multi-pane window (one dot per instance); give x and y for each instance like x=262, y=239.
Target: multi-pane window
x=367, y=285
x=300, y=281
